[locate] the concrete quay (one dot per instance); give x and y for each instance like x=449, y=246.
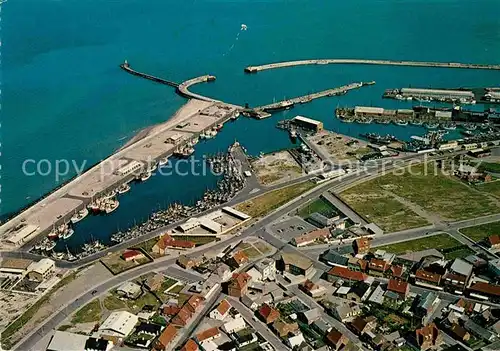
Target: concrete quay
x=309, y=97
x=255, y=69
x=183, y=88
x=157, y=142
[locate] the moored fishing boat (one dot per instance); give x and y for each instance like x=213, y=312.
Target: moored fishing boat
x=78, y=216
x=401, y=122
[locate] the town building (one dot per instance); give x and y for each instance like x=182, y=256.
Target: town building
x=311, y=289
x=16, y=267
x=336, y=339
x=361, y=246
x=195, y=303
x=311, y=316
x=183, y=317
x=64, y=341
x=130, y=290
x=308, y=123
x=222, y=310
x=333, y=258
x=295, y=341
x=484, y=291
x=186, y=262
x=238, y=285
x=118, y=326
x=295, y=264
x=493, y=242
x=167, y=241
x=359, y=292
x=268, y=314
x=427, y=279
x=41, y=270
x=154, y=282
x=458, y=275
x=234, y=325
x=378, y=267
x=399, y=287
x=284, y=328
x=190, y=345
x=428, y=337
x=267, y=268
x=166, y=338
x=459, y=333
x=132, y=255
x=208, y=335
x=361, y=325
x=318, y=235
x=346, y=312
x=346, y=274
x=427, y=304
x=238, y=259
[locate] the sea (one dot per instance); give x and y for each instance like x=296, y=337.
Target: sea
x=64, y=97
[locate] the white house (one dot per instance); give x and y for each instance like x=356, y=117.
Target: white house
x=235, y=325
x=118, y=324
x=296, y=340
x=41, y=270
x=222, y=311
x=267, y=268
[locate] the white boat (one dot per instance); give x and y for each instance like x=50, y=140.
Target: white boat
x=111, y=206
x=37, y=246
x=67, y=234
x=163, y=161
x=58, y=255
x=152, y=167
x=50, y=246
x=78, y=216
x=401, y=122
x=450, y=126
x=122, y=189
x=145, y=176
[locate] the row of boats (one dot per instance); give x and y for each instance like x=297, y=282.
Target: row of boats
x=231, y=183
x=428, y=125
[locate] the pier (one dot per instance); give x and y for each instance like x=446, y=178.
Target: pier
x=126, y=67
x=289, y=103
x=255, y=69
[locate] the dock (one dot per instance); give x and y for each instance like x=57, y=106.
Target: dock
x=255, y=69
x=183, y=88
x=289, y=103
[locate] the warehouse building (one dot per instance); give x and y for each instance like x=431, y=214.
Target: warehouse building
x=308, y=123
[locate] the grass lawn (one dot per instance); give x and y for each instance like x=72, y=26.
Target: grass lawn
x=112, y=302
x=489, y=167
x=482, y=231
x=262, y=247
x=461, y=252
x=89, y=313
x=252, y=253
x=145, y=299
x=439, y=241
x=13, y=327
x=117, y=265
x=148, y=244
x=319, y=205
x=383, y=209
x=492, y=188
x=176, y=289
x=197, y=239
x=65, y=327
x=265, y=203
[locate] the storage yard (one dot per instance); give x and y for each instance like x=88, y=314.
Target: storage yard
x=340, y=147
x=276, y=167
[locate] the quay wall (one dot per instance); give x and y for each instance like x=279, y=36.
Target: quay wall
x=183, y=88
x=254, y=69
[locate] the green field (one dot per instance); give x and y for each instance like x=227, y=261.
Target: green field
x=383, y=209
x=145, y=299
x=438, y=242
x=89, y=313
x=433, y=192
x=319, y=205
x=112, y=302
x=264, y=204
x=197, y=239
x=489, y=167
x=492, y=188
x=482, y=231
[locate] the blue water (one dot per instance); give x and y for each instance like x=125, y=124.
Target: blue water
x=64, y=97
